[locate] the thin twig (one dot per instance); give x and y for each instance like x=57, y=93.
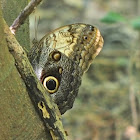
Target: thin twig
x=23, y=15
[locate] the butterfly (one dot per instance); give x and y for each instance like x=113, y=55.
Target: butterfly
x=61, y=57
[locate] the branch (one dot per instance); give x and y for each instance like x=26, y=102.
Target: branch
x=44, y=105
x=23, y=15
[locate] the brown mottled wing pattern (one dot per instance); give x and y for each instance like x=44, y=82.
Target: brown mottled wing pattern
x=80, y=42
x=65, y=54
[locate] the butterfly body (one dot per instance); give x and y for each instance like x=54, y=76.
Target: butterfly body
x=62, y=57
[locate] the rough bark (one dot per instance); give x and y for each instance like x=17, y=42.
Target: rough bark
x=19, y=117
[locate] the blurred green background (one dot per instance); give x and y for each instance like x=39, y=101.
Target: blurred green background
x=108, y=103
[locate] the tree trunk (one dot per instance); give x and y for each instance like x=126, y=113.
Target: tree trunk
x=19, y=118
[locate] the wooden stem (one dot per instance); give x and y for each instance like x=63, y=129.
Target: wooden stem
x=23, y=15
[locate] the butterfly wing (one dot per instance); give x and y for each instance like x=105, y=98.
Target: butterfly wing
x=80, y=42
x=62, y=57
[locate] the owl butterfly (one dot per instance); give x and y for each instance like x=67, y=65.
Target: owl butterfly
x=61, y=57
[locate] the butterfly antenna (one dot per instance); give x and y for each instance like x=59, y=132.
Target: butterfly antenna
x=37, y=25
x=36, y=29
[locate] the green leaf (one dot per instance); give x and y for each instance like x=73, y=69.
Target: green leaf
x=112, y=17
x=136, y=23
